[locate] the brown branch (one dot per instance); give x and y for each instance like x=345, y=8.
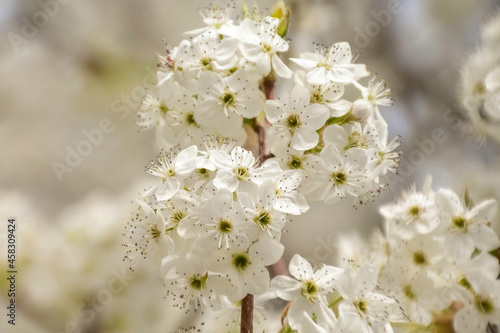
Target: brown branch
x=247, y=314
x=268, y=88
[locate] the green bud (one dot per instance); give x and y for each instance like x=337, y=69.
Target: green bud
x=245, y=11
x=284, y=21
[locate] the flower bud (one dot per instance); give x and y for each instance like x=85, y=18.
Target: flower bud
x=362, y=109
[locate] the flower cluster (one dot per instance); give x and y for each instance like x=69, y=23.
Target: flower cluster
x=434, y=258
x=480, y=81
x=214, y=222
x=214, y=218
x=209, y=85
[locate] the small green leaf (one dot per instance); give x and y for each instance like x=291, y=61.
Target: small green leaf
x=338, y=120
x=469, y=203
x=284, y=24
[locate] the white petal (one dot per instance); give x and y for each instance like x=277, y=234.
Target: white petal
x=226, y=179
x=342, y=75
x=318, y=76
x=252, y=105
x=210, y=84
x=485, y=238
x=305, y=63
x=226, y=49
x=316, y=116
x=208, y=111
x=336, y=135
x=330, y=157
x=300, y=268
x=185, y=162
x=266, y=251
x=167, y=189
x=286, y=287
x=304, y=139
x=280, y=68
x=274, y=111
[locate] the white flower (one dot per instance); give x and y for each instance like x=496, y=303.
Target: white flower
x=246, y=268
x=208, y=52
x=331, y=65
x=223, y=102
x=308, y=295
x=213, y=144
x=466, y=229
x=376, y=93
x=189, y=282
x=147, y=236
x=340, y=176
x=180, y=212
x=288, y=199
x=296, y=121
x=239, y=170
x=414, y=293
x=156, y=104
x=181, y=127
x=419, y=255
x=293, y=159
x=414, y=213
x=482, y=306
x=172, y=170
x=386, y=159
x=221, y=224
x=328, y=94
x=173, y=62
x=217, y=20
x=362, y=310
x=350, y=136
x=259, y=212
x=260, y=44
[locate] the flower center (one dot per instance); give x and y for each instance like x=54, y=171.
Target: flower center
x=263, y=219
x=203, y=172
x=409, y=292
x=190, y=119
x=479, y=89
x=316, y=98
x=327, y=67
x=414, y=211
x=356, y=140
x=163, y=108
x=460, y=223
x=228, y=98
x=361, y=306
x=155, y=233
x=464, y=283
x=266, y=48
x=419, y=258
x=197, y=282
x=293, y=122
x=225, y=226
x=309, y=290
x=241, y=261
x=295, y=162
x=339, y=178
x=242, y=173
x=178, y=216
x=169, y=173
x=484, y=305
x=207, y=63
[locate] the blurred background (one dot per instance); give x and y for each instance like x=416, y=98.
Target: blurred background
x=82, y=66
